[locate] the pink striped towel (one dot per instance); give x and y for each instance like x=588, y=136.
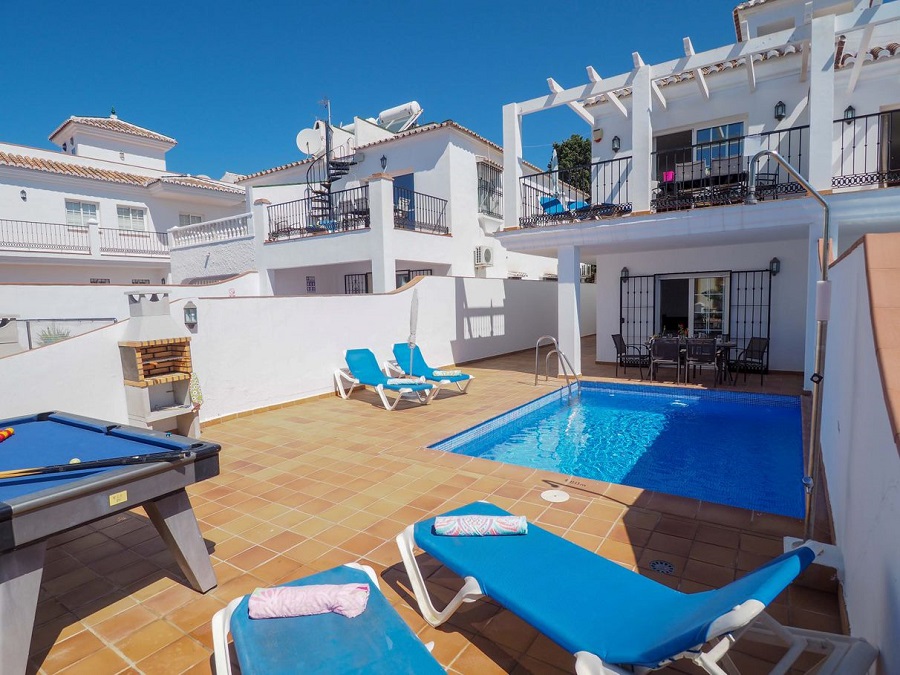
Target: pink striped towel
x=479, y=526
x=285, y=601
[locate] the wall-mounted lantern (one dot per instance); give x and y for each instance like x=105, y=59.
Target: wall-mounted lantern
x=383, y=162
x=616, y=144
x=780, y=111
x=623, y=275
x=190, y=315
x=774, y=266
x=23, y=195
x=849, y=114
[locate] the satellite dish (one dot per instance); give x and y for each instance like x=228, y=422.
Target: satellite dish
x=309, y=141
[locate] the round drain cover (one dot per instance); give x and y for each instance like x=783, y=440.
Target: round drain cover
x=662, y=566
x=554, y=496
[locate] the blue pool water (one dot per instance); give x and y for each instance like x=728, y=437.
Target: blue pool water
x=726, y=447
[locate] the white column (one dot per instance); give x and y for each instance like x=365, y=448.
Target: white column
x=641, y=141
x=94, y=237
x=568, y=303
x=381, y=210
x=259, y=222
x=821, y=102
x=512, y=167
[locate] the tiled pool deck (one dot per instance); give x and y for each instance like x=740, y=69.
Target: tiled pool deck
x=310, y=486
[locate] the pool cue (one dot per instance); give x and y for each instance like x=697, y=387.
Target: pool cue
x=169, y=456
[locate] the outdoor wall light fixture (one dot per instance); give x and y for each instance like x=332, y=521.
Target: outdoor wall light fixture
x=849, y=114
x=383, y=162
x=616, y=144
x=623, y=275
x=780, y=110
x=774, y=266
x=190, y=315
x=23, y=195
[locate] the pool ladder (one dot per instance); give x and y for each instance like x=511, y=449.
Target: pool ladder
x=565, y=366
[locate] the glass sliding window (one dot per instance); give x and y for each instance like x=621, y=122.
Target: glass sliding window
x=719, y=142
x=708, y=306
x=79, y=213
x=131, y=218
x=189, y=219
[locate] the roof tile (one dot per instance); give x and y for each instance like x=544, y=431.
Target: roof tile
x=115, y=124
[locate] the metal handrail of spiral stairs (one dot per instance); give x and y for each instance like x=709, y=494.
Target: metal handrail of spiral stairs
x=565, y=365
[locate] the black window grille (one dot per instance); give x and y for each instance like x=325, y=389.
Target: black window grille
x=490, y=190
x=356, y=284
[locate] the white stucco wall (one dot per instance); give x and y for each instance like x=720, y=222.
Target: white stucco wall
x=862, y=466
x=252, y=352
x=212, y=258
x=788, y=289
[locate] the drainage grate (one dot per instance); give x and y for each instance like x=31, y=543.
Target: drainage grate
x=554, y=496
x=662, y=566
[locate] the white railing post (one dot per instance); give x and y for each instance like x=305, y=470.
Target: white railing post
x=94, y=237
x=641, y=141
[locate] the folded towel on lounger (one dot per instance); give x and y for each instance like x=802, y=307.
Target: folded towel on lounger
x=479, y=526
x=286, y=601
x=447, y=373
x=405, y=380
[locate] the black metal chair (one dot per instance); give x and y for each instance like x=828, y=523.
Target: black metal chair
x=630, y=355
x=701, y=352
x=752, y=359
x=665, y=352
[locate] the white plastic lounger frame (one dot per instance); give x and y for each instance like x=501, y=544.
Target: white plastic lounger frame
x=845, y=655
x=342, y=376
x=393, y=369
x=221, y=623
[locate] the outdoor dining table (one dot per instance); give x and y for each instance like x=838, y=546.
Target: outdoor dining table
x=723, y=357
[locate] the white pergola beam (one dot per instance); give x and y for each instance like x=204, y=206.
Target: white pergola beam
x=875, y=15
x=654, y=87
x=577, y=108
x=699, y=77
x=804, y=62
x=864, y=42
x=594, y=77
x=748, y=61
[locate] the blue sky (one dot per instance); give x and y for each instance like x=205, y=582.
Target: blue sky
x=235, y=81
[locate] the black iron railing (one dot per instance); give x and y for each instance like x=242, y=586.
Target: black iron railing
x=32, y=236
x=306, y=217
x=580, y=193
x=133, y=242
x=715, y=173
x=869, y=150
x=419, y=212
x=490, y=190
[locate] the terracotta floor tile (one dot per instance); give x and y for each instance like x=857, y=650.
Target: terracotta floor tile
x=71, y=650
x=103, y=661
x=123, y=624
x=175, y=657
x=149, y=640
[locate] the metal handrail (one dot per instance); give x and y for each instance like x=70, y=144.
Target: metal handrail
x=564, y=365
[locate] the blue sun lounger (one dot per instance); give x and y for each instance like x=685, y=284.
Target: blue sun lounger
x=612, y=619
x=377, y=642
x=363, y=370
x=422, y=369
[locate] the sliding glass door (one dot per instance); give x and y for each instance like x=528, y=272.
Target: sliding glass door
x=693, y=304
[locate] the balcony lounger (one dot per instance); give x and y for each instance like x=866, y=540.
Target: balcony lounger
x=422, y=369
x=362, y=370
x=552, y=206
x=377, y=641
x=612, y=619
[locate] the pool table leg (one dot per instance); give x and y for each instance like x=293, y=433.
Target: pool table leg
x=174, y=520
x=20, y=584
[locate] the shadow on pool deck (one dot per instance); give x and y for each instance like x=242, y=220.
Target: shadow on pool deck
x=306, y=487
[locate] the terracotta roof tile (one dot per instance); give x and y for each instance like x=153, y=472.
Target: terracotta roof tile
x=115, y=124
x=110, y=175
x=425, y=128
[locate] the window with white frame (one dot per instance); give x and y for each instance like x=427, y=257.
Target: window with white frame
x=79, y=213
x=189, y=219
x=131, y=218
x=310, y=285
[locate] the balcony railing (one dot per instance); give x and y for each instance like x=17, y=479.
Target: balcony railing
x=715, y=173
x=869, y=150
x=223, y=229
x=419, y=212
x=584, y=192
x=323, y=214
x=133, y=242
x=25, y=235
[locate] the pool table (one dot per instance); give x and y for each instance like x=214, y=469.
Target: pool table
x=34, y=508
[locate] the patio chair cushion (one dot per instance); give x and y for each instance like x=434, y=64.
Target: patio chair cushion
x=585, y=602
x=377, y=642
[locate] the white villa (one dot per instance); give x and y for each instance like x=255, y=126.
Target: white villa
x=258, y=284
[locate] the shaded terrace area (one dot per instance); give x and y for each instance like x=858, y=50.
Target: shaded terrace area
x=308, y=486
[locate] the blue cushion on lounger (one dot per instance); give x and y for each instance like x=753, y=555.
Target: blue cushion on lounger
x=585, y=602
x=377, y=642
x=364, y=367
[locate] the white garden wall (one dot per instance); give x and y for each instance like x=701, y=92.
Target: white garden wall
x=862, y=465
x=251, y=352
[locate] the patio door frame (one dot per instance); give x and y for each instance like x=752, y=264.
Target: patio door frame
x=691, y=276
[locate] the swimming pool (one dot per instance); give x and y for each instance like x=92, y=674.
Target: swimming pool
x=730, y=448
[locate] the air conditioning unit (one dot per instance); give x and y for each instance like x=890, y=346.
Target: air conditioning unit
x=484, y=256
